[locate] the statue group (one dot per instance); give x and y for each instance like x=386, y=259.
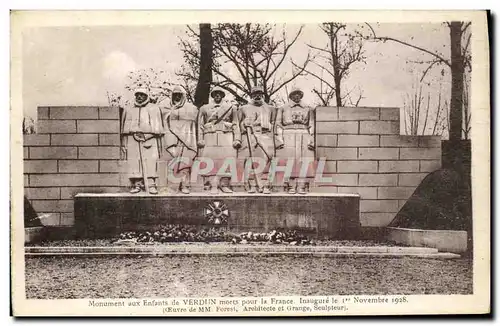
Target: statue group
x=180, y=134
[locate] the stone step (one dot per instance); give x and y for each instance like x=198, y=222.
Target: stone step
x=239, y=250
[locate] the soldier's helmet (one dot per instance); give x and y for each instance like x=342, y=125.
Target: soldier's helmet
x=142, y=90
x=217, y=90
x=178, y=90
x=296, y=90
x=256, y=89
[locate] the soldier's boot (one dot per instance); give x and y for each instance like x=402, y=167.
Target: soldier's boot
x=224, y=185
x=266, y=187
x=291, y=187
x=301, y=186
x=214, y=182
x=252, y=186
x=206, y=184
x=136, y=187
x=153, y=190
x=185, y=182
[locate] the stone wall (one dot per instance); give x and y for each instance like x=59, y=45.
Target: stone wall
x=366, y=155
x=76, y=149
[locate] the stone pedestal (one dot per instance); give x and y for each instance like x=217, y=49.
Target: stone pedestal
x=333, y=216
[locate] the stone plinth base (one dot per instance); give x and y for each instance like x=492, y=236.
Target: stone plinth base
x=334, y=216
x=443, y=240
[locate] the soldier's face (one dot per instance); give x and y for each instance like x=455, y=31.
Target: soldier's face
x=258, y=98
x=140, y=97
x=176, y=97
x=295, y=97
x=217, y=98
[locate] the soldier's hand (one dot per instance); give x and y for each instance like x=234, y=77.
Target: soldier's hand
x=201, y=143
x=311, y=145
x=280, y=146
x=139, y=136
x=237, y=144
x=123, y=152
x=248, y=122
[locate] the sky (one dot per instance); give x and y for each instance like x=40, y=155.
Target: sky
x=79, y=65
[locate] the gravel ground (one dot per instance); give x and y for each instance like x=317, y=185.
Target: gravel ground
x=121, y=277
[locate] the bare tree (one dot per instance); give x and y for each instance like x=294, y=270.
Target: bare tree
x=158, y=81
x=459, y=62
x=343, y=50
x=202, y=92
x=416, y=109
x=244, y=55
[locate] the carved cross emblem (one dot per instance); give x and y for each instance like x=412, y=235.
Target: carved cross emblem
x=216, y=213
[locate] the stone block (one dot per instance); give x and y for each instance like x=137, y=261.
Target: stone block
x=326, y=190
x=358, y=113
x=78, y=166
x=390, y=114
x=112, y=166
x=398, y=166
x=395, y=192
x=330, y=167
x=323, y=140
x=358, y=141
x=376, y=219
x=52, y=205
x=101, y=152
x=337, y=153
x=380, y=179
x=420, y=153
x=324, y=113
x=42, y=113
x=56, y=126
x=379, y=127
x=378, y=153
x=109, y=113
x=337, y=127
x=356, y=166
x=26, y=180
x=98, y=126
x=74, y=140
x=80, y=179
x=399, y=141
x=36, y=140
x=42, y=193
x=73, y=112
x=429, y=141
x=109, y=140
x=338, y=179
x=65, y=152
x=40, y=166
x=26, y=152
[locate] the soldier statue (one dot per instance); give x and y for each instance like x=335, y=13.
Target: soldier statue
x=141, y=131
x=218, y=130
x=180, y=137
x=295, y=124
x=256, y=122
